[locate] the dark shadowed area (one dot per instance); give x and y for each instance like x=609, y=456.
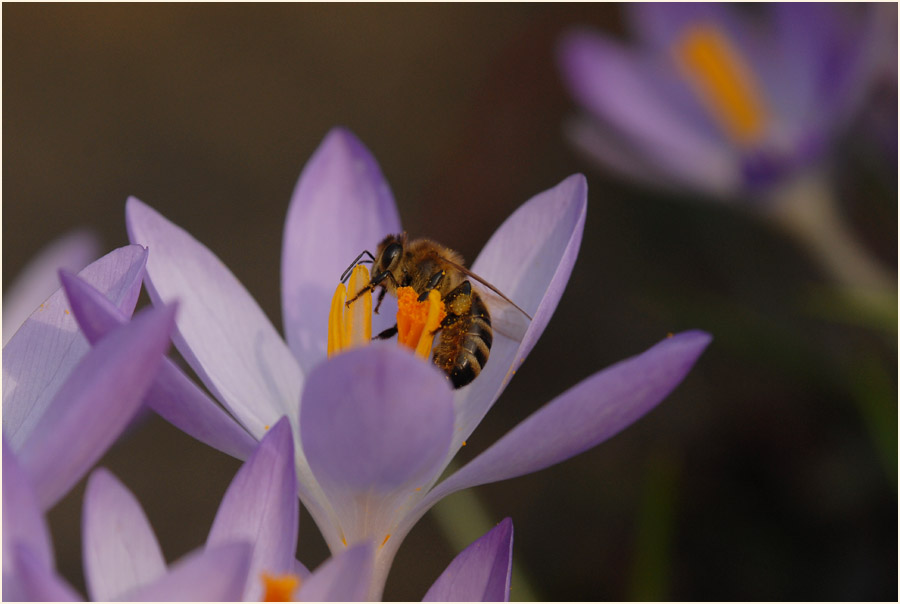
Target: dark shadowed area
x=766, y=475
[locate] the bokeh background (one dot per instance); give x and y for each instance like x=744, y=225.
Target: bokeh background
x=770, y=473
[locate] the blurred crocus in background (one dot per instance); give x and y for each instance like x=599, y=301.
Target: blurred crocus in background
x=736, y=103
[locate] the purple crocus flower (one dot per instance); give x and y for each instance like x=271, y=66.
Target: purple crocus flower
x=65, y=403
x=80, y=420
x=374, y=427
x=249, y=551
x=718, y=99
x=254, y=532
x=38, y=279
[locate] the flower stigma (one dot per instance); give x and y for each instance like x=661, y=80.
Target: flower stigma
x=724, y=83
x=279, y=588
x=417, y=320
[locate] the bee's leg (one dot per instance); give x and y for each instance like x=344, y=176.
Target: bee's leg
x=380, y=299
x=390, y=332
x=373, y=283
x=370, y=287
x=432, y=284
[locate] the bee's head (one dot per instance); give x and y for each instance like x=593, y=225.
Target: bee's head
x=388, y=256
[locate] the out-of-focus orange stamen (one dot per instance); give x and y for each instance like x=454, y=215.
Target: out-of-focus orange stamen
x=723, y=81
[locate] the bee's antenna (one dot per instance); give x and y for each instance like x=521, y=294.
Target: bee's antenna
x=353, y=264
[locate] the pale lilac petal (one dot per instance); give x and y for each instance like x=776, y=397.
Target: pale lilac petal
x=37, y=582
x=120, y=551
x=481, y=572
x=341, y=578
x=212, y=575
x=23, y=524
x=94, y=405
x=41, y=354
x=582, y=417
x=376, y=424
x=529, y=258
x=610, y=81
x=37, y=281
x=261, y=507
x=222, y=333
x=608, y=148
x=341, y=205
x=172, y=395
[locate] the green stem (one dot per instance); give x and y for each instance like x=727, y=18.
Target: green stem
x=807, y=209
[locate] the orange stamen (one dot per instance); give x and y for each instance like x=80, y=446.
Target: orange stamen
x=418, y=321
x=723, y=81
x=279, y=588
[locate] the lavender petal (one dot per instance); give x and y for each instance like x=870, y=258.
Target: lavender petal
x=529, y=258
x=43, y=352
x=36, y=581
x=376, y=423
x=37, y=281
x=584, y=416
x=342, y=578
x=120, y=550
x=172, y=395
x=216, y=574
x=341, y=205
x=23, y=523
x=261, y=507
x=222, y=333
x=95, y=404
x=481, y=572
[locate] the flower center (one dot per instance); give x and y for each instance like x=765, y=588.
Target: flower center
x=279, y=588
x=417, y=320
x=723, y=82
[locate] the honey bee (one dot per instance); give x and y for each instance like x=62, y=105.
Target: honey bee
x=422, y=264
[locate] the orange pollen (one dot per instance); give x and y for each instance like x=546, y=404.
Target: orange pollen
x=385, y=540
x=723, y=82
x=279, y=588
x=417, y=322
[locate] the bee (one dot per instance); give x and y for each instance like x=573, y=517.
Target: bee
x=422, y=264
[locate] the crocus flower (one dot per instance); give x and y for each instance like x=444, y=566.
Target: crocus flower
x=374, y=427
x=37, y=280
x=714, y=99
x=249, y=549
x=80, y=421
x=64, y=403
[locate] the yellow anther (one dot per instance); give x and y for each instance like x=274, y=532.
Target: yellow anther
x=279, y=588
x=723, y=81
x=350, y=326
x=418, y=321
x=385, y=541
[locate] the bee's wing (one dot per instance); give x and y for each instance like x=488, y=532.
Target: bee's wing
x=507, y=317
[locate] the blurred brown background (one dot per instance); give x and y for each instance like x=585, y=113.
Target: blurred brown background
x=759, y=478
